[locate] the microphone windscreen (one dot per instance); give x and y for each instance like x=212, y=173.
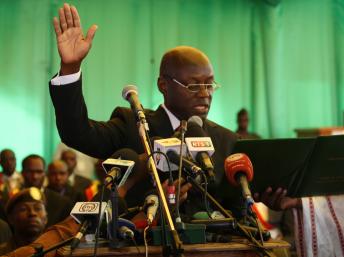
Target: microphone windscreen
x=127, y=90
x=195, y=120
x=194, y=127
x=238, y=163
x=126, y=154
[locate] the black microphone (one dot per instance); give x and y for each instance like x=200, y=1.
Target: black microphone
x=200, y=145
x=187, y=164
x=117, y=168
x=86, y=214
x=130, y=93
x=76, y=240
x=113, y=174
x=120, y=165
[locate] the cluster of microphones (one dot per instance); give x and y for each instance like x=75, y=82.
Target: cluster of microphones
x=195, y=158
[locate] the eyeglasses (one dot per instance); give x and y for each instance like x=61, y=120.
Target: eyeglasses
x=196, y=87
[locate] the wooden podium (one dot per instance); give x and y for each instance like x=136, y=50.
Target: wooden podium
x=238, y=248
x=314, y=132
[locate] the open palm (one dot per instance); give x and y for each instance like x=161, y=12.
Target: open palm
x=71, y=43
x=72, y=46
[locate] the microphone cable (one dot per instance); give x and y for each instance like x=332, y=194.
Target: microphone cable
x=170, y=179
x=135, y=243
x=145, y=240
x=206, y=204
x=183, y=128
x=98, y=221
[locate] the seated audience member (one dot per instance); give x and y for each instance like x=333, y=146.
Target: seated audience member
x=58, y=207
x=93, y=189
x=11, y=181
x=58, y=181
x=5, y=231
x=79, y=183
x=243, y=121
x=84, y=166
x=27, y=217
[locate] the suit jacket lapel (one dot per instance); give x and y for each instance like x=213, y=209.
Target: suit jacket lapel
x=159, y=123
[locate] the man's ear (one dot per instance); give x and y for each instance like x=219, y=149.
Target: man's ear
x=162, y=85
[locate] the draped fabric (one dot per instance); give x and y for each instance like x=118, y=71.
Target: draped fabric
x=282, y=60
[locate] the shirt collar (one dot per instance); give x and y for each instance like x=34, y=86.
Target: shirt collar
x=175, y=122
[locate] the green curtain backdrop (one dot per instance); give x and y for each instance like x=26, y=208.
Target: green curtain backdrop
x=282, y=60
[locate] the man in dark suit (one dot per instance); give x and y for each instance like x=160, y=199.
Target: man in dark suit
x=58, y=207
x=186, y=81
x=79, y=183
x=58, y=182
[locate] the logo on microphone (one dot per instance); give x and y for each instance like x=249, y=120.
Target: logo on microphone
x=201, y=143
x=88, y=207
x=235, y=157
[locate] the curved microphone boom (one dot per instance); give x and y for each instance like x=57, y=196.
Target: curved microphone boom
x=239, y=172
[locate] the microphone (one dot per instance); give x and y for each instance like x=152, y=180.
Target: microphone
x=76, y=240
x=130, y=93
x=119, y=166
x=126, y=228
x=171, y=146
x=113, y=174
x=239, y=172
x=126, y=233
x=152, y=201
x=200, y=145
x=85, y=213
x=188, y=165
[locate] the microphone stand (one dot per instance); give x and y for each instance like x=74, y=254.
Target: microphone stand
x=114, y=242
x=183, y=128
x=143, y=131
x=241, y=228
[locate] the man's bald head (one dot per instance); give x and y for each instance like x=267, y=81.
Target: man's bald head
x=181, y=67
x=8, y=161
x=58, y=175
x=180, y=57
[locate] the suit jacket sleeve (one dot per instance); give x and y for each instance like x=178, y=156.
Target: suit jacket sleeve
x=98, y=139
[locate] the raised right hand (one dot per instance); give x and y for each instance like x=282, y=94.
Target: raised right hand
x=72, y=45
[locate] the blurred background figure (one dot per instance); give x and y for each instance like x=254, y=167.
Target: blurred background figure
x=6, y=232
x=58, y=207
x=11, y=181
x=27, y=216
x=100, y=174
x=78, y=182
x=58, y=182
x=84, y=163
x=243, y=124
